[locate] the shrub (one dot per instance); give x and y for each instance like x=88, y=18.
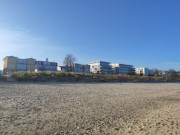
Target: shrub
x=2, y=78
x=136, y=80
x=102, y=79
x=72, y=77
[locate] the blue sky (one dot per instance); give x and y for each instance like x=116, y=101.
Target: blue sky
x=137, y=32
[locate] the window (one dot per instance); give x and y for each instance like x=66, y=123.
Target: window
x=21, y=66
x=11, y=59
x=11, y=66
x=22, y=61
x=30, y=62
x=30, y=67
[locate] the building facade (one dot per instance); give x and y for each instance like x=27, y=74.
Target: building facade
x=178, y=73
x=142, y=71
x=15, y=64
x=85, y=69
x=122, y=69
x=151, y=72
x=45, y=66
x=25, y=64
x=100, y=67
x=78, y=68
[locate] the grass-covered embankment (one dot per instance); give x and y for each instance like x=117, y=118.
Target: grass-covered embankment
x=2, y=78
x=79, y=77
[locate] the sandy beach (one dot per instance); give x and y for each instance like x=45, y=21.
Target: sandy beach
x=90, y=109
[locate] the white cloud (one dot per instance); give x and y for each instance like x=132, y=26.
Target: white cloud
x=22, y=43
x=13, y=40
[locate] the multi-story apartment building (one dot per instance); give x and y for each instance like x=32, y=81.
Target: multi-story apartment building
x=85, y=69
x=9, y=64
x=25, y=64
x=142, y=71
x=122, y=69
x=100, y=67
x=78, y=68
x=45, y=66
x=15, y=64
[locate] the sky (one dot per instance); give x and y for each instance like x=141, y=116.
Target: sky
x=143, y=33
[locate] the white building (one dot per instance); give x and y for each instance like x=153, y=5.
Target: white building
x=142, y=71
x=122, y=69
x=110, y=68
x=100, y=67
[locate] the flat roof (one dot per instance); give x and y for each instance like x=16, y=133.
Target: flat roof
x=122, y=64
x=17, y=57
x=98, y=61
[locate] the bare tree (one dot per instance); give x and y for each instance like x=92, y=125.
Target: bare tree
x=68, y=62
x=156, y=72
x=172, y=73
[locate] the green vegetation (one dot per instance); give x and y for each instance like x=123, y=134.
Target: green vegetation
x=79, y=77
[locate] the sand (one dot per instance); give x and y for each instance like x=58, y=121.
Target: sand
x=90, y=109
